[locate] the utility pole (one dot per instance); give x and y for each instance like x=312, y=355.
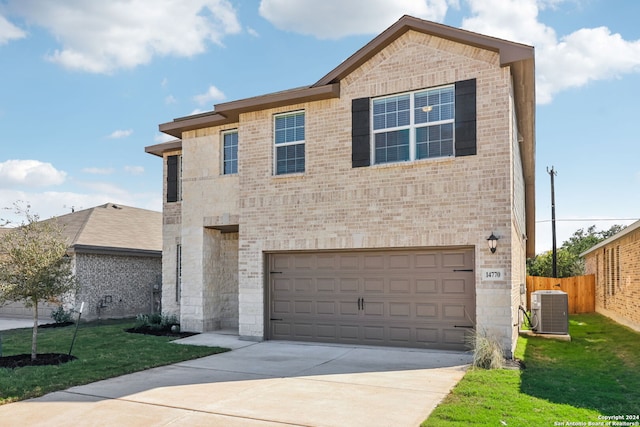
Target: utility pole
x=554, y=252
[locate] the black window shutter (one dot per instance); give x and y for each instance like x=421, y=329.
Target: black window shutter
x=466, y=118
x=360, y=129
x=172, y=178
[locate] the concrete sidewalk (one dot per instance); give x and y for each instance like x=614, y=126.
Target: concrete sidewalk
x=271, y=383
x=7, y=323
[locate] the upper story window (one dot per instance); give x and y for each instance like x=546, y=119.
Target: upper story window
x=416, y=125
x=289, y=137
x=426, y=123
x=174, y=178
x=230, y=152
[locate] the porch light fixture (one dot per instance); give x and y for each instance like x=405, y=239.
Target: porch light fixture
x=492, y=241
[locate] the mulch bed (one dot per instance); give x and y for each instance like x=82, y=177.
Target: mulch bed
x=514, y=364
x=56, y=325
x=42, y=359
x=159, y=332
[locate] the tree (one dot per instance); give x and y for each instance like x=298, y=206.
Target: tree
x=33, y=265
x=569, y=262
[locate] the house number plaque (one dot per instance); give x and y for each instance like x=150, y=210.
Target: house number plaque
x=492, y=274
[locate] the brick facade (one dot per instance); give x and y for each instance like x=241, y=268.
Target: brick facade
x=618, y=283
x=431, y=203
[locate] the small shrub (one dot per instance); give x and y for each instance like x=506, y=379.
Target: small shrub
x=60, y=315
x=157, y=321
x=487, y=350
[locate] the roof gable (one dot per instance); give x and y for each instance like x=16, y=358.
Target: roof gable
x=114, y=227
x=509, y=51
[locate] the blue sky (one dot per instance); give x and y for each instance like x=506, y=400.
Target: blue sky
x=84, y=85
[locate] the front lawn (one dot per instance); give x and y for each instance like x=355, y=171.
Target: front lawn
x=597, y=374
x=103, y=350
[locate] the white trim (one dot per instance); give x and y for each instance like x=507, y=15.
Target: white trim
x=222, y=158
x=285, y=144
x=412, y=126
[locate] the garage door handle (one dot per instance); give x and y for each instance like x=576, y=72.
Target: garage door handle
x=463, y=326
x=277, y=319
x=470, y=270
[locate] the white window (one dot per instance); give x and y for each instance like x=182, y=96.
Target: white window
x=230, y=152
x=289, y=137
x=415, y=125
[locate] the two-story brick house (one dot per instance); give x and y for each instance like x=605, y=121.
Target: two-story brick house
x=358, y=209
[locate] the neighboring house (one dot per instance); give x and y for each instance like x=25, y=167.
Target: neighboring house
x=615, y=262
x=357, y=209
x=116, y=253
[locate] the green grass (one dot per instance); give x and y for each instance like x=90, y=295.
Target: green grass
x=103, y=350
x=597, y=373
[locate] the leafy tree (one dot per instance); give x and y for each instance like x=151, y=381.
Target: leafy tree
x=542, y=264
x=33, y=265
x=569, y=262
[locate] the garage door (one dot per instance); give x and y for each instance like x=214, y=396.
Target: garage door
x=417, y=298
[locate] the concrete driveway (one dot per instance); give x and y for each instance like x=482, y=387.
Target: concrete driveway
x=272, y=383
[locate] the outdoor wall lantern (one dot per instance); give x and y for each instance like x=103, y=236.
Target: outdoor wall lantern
x=492, y=241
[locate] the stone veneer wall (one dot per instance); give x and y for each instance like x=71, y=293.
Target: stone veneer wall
x=624, y=305
x=129, y=281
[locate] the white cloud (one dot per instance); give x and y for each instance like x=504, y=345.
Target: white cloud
x=163, y=137
x=50, y=203
x=9, y=32
x=164, y=82
x=99, y=171
x=104, y=36
x=252, y=32
x=117, y=134
x=170, y=100
x=134, y=170
x=32, y=173
x=571, y=61
x=212, y=94
x=329, y=19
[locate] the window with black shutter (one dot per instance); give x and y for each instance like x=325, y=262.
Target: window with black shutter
x=428, y=123
x=173, y=178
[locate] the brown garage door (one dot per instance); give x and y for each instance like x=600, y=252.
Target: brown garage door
x=416, y=298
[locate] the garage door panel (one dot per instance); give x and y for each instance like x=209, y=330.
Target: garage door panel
x=400, y=310
x=426, y=261
x=427, y=336
x=399, y=298
x=427, y=310
x=281, y=285
x=452, y=260
x=324, y=284
x=326, y=308
x=454, y=286
x=400, y=286
x=375, y=309
x=349, y=284
x=303, y=307
x=426, y=286
x=281, y=307
x=349, y=308
x=373, y=285
x=400, y=261
x=304, y=285
x=349, y=262
x=374, y=262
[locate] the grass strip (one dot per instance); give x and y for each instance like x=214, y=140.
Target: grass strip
x=103, y=349
x=596, y=374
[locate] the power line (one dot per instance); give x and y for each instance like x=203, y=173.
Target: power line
x=589, y=219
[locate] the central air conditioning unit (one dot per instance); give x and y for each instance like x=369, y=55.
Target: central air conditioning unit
x=550, y=312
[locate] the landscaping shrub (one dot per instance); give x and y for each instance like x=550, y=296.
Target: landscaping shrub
x=487, y=350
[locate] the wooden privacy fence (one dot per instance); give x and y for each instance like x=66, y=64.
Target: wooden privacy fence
x=581, y=291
